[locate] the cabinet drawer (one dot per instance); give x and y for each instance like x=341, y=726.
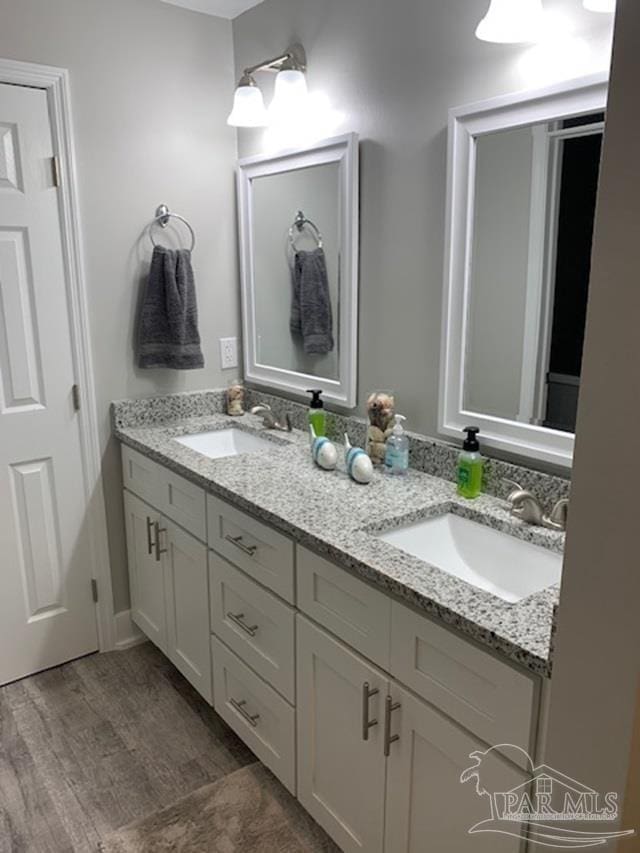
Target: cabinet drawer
x=141, y=476
x=183, y=502
x=490, y=698
x=349, y=608
x=262, y=718
x=257, y=549
x=254, y=623
x=180, y=500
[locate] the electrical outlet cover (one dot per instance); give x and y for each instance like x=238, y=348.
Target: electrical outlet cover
x=228, y=353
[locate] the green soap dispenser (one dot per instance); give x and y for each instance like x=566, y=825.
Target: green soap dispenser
x=470, y=464
x=317, y=415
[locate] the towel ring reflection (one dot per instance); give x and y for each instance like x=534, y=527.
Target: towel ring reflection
x=162, y=217
x=299, y=224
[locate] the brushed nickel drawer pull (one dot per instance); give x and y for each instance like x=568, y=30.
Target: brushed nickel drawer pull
x=250, y=550
x=367, y=724
x=159, y=550
x=252, y=719
x=237, y=618
x=149, y=540
x=390, y=707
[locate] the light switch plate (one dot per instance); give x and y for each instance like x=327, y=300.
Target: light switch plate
x=228, y=353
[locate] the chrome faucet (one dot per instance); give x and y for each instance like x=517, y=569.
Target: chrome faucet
x=526, y=506
x=269, y=419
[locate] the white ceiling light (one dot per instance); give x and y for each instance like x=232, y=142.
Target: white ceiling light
x=600, y=5
x=290, y=91
x=248, y=105
x=512, y=22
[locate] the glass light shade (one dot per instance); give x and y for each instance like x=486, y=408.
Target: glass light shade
x=290, y=94
x=600, y=5
x=248, y=108
x=512, y=22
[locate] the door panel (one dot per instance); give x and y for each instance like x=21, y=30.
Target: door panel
x=428, y=808
x=146, y=573
x=47, y=614
x=341, y=776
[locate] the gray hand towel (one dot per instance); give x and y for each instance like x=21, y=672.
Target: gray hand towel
x=311, y=315
x=168, y=325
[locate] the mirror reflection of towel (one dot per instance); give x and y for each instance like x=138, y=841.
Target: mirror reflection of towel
x=311, y=315
x=168, y=324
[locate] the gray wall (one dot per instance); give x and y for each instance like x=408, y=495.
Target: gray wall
x=151, y=88
x=499, y=267
x=395, y=69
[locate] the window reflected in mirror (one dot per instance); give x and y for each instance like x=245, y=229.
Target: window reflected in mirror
x=533, y=215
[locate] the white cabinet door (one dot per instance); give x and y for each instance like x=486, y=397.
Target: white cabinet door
x=428, y=809
x=341, y=775
x=146, y=573
x=187, y=605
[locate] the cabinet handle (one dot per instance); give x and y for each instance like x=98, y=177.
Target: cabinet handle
x=390, y=707
x=367, y=724
x=252, y=719
x=149, y=540
x=159, y=530
x=250, y=550
x=237, y=618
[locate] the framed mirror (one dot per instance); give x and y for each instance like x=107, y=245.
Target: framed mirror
x=522, y=185
x=298, y=223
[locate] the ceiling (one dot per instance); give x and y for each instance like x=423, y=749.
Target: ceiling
x=220, y=8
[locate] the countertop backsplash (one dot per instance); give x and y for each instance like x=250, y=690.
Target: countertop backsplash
x=428, y=455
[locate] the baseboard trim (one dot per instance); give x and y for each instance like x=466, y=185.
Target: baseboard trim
x=127, y=633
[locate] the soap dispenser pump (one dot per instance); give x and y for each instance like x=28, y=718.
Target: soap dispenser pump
x=470, y=464
x=396, y=457
x=317, y=416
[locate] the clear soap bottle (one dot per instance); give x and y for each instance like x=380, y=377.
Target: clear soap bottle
x=396, y=457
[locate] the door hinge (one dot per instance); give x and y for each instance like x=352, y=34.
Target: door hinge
x=94, y=590
x=55, y=171
x=75, y=396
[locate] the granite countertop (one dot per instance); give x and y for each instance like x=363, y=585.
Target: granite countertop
x=329, y=513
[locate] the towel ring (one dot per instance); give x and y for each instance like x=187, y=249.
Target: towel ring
x=163, y=214
x=299, y=224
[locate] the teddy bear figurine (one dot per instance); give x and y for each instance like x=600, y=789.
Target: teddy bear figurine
x=380, y=410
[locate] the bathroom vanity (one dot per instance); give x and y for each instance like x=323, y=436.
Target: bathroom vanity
x=362, y=676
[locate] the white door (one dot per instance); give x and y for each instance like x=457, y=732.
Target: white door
x=47, y=614
x=428, y=809
x=146, y=571
x=187, y=604
x=341, y=763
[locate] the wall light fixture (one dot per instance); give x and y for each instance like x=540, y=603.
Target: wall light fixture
x=290, y=90
x=512, y=22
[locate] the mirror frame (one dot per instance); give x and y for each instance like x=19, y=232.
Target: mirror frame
x=344, y=151
x=574, y=97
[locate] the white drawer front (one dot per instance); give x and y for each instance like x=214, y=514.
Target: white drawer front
x=358, y=614
x=254, y=623
x=261, y=552
x=184, y=503
x=141, y=476
x=180, y=500
x=490, y=698
x=261, y=717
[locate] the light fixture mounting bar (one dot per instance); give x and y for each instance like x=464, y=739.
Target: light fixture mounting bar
x=295, y=57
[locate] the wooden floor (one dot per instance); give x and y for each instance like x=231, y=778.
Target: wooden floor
x=92, y=745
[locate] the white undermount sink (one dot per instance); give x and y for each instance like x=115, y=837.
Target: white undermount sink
x=225, y=442
x=486, y=558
